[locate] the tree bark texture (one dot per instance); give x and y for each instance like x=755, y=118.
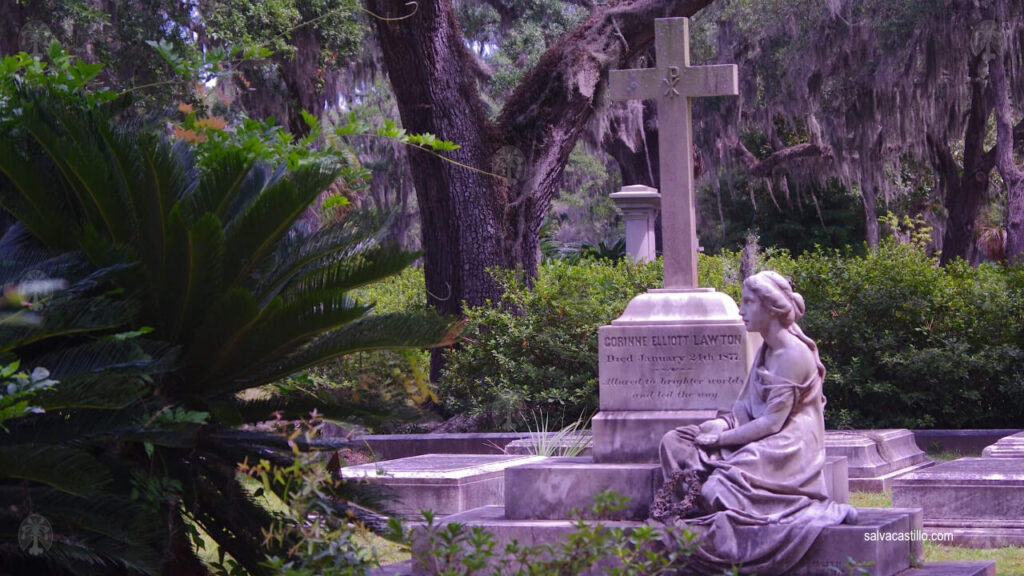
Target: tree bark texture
x=966, y=188
x=1013, y=175
x=472, y=218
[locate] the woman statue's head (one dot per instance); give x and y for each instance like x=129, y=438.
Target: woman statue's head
x=776, y=296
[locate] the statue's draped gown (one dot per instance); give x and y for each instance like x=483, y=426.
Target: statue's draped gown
x=766, y=500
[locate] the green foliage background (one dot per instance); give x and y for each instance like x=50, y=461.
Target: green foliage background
x=905, y=342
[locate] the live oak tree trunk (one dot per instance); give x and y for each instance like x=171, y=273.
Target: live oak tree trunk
x=1013, y=175
x=480, y=210
x=965, y=188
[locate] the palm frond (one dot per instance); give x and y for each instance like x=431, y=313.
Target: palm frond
x=252, y=235
x=230, y=317
x=65, y=315
x=29, y=191
x=235, y=412
x=295, y=254
x=48, y=464
x=221, y=186
x=378, y=332
x=84, y=526
x=192, y=278
x=351, y=273
x=283, y=329
x=70, y=139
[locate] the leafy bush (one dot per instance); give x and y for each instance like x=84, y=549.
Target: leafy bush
x=591, y=548
x=537, y=349
x=906, y=343
x=910, y=344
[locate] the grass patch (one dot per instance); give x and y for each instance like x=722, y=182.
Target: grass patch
x=871, y=499
x=1009, y=561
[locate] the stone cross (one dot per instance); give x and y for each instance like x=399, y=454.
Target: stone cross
x=672, y=84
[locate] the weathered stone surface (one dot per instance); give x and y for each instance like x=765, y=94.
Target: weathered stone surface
x=680, y=367
x=633, y=435
x=672, y=84
x=673, y=358
x=444, y=483
x=639, y=205
x=890, y=555
x=977, y=500
x=954, y=569
x=876, y=457
x=1008, y=447
x=554, y=488
x=837, y=478
x=395, y=446
x=964, y=442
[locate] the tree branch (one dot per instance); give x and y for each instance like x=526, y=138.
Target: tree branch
x=557, y=97
x=765, y=168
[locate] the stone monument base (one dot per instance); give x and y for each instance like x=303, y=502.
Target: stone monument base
x=876, y=457
x=976, y=500
x=888, y=553
x=634, y=435
x=1008, y=447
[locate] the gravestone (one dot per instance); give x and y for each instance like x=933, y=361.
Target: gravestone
x=876, y=457
x=677, y=355
x=979, y=501
x=639, y=205
x=445, y=483
x=1009, y=447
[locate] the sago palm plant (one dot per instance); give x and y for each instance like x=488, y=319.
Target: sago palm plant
x=185, y=287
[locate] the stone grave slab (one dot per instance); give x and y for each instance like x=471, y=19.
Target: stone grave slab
x=876, y=457
x=980, y=501
x=889, y=555
x=552, y=489
x=444, y=483
x=1009, y=447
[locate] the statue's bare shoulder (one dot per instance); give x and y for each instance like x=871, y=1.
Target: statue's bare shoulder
x=794, y=361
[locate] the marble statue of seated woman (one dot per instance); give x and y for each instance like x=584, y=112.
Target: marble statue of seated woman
x=757, y=491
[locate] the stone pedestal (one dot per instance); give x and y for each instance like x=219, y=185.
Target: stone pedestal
x=444, y=483
x=980, y=501
x=1009, y=447
x=876, y=457
x=639, y=206
x=674, y=357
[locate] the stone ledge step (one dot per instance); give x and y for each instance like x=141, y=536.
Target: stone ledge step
x=984, y=536
x=977, y=500
x=986, y=568
x=885, y=482
x=885, y=556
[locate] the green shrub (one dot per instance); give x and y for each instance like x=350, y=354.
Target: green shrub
x=910, y=344
x=906, y=343
x=538, y=348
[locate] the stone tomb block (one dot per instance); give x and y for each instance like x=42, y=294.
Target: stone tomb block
x=445, y=483
x=876, y=457
x=684, y=367
x=1008, y=447
x=980, y=501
